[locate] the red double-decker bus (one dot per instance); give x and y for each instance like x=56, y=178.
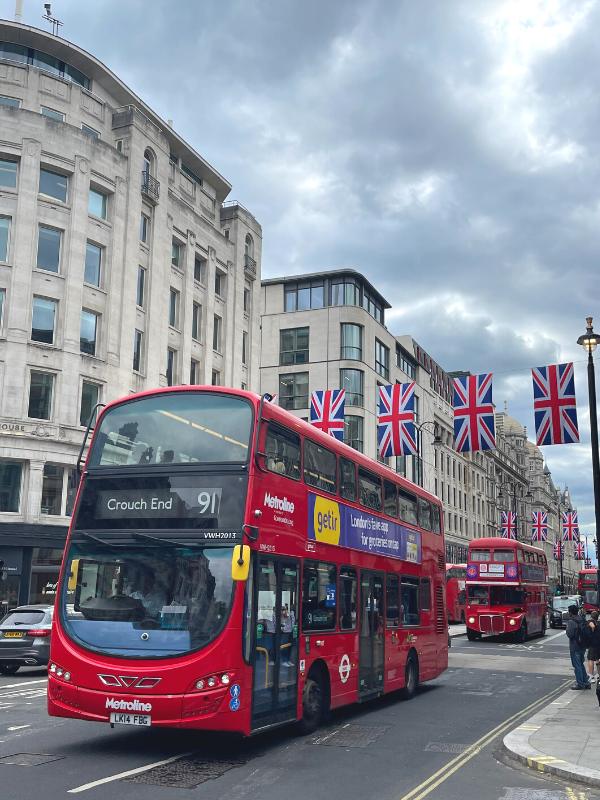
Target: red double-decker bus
x=230, y=567
x=507, y=589
x=456, y=594
x=587, y=587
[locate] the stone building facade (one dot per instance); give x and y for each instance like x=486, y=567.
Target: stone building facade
x=122, y=268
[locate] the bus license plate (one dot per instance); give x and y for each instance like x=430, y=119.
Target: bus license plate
x=130, y=719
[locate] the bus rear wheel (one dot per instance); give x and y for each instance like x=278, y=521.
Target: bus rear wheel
x=411, y=677
x=313, y=704
x=472, y=635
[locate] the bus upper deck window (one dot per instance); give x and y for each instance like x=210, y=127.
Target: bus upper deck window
x=480, y=555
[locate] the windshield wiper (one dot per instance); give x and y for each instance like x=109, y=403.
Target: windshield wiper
x=94, y=538
x=148, y=537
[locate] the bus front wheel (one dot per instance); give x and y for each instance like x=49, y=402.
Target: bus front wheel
x=521, y=635
x=472, y=635
x=313, y=704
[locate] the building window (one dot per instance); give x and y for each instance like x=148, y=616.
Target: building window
x=48, y=254
x=88, y=332
x=293, y=346
x=10, y=486
x=199, y=269
x=403, y=363
x=90, y=397
x=171, y=367
x=144, y=228
x=4, y=234
x=220, y=279
x=215, y=377
x=9, y=102
x=141, y=287
x=194, y=372
x=293, y=390
x=352, y=380
x=93, y=264
x=97, y=204
x=244, y=347
x=41, y=386
x=345, y=293
x=353, y=432
x=247, y=300
x=43, y=320
x=91, y=132
x=2, y=299
x=174, y=308
x=176, y=254
x=382, y=359
x=138, y=341
x=52, y=113
x=52, y=490
x=351, y=342
x=52, y=184
x=217, y=333
x=8, y=174
x=305, y=295
x=196, y=321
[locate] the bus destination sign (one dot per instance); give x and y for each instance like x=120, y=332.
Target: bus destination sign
x=177, y=502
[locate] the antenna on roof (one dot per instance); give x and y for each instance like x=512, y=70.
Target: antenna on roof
x=56, y=23
x=18, y=10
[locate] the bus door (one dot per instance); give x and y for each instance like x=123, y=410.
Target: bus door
x=275, y=657
x=372, y=621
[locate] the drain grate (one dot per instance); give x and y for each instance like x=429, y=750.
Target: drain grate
x=29, y=759
x=533, y=794
x=186, y=773
x=350, y=736
x=446, y=747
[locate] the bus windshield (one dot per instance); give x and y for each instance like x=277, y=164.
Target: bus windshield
x=494, y=595
x=145, y=599
x=177, y=428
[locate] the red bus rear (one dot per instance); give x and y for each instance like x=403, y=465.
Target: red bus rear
x=456, y=593
x=507, y=589
x=587, y=587
x=230, y=567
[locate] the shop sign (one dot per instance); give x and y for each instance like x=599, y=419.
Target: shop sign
x=13, y=560
x=27, y=428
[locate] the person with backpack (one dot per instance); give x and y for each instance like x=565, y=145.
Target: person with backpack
x=578, y=633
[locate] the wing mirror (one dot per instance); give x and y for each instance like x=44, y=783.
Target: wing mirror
x=240, y=562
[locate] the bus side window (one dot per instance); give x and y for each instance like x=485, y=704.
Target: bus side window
x=424, y=514
x=319, y=601
x=319, y=467
x=282, y=452
x=347, y=599
x=435, y=519
x=347, y=479
x=425, y=594
x=370, y=489
x=390, y=499
x=408, y=506
x=392, y=601
x=409, y=594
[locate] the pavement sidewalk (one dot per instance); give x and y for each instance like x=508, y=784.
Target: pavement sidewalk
x=562, y=739
x=457, y=630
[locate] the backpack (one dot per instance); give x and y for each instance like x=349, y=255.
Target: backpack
x=583, y=635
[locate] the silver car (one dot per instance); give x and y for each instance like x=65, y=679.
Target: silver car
x=25, y=638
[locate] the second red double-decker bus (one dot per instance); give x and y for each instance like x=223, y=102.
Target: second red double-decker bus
x=230, y=567
x=587, y=587
x=456, y=593
x=507, y=589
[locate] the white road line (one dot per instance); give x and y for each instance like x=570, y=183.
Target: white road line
x=554, y=636
x=129, y=772
x=24, y=683
x=18, y=727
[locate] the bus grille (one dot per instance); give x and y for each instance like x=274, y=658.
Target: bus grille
x=440, y=616
x=491, y=623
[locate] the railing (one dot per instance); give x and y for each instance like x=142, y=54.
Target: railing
x=150, y=186
x=249, y=266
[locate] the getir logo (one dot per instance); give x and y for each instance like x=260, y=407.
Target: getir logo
x=326, y=521
x=126, y=705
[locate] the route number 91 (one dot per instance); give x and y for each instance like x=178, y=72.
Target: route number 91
x=209, y=501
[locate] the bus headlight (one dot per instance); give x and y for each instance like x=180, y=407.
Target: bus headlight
x=471, y=620
x=512, y=621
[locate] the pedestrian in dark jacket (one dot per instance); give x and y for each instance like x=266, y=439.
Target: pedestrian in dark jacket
x=576, y=649
x=593, y=653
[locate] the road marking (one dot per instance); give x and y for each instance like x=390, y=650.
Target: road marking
x=554, y=636
x=129, y=772
x=445, y=772
x=24, y=683
x=18, y=727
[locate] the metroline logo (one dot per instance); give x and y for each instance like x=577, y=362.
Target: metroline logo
x=281, y=504
x=127, y=705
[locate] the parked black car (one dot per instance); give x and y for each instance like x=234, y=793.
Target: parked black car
x=25, y=638
x=558, y=610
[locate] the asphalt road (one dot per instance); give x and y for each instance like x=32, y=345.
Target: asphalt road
x=386, y=749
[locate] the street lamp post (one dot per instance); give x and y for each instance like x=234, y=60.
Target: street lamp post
x=589, y=341
x=561, y=550
x=512, y=493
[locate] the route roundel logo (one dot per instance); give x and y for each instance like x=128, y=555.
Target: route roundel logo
x=344, y=668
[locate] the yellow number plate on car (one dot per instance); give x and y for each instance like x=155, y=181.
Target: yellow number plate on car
x=13, y=635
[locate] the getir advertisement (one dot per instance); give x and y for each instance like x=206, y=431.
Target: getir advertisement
x=331, y=522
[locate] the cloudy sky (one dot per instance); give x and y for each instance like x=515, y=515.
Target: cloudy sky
x=447, y=149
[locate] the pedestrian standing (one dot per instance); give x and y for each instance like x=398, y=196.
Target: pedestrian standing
x=593, y=654
x=576, y=636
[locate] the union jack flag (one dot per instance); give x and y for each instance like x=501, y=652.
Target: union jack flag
x=508, y=525
x=570, y=526
x=327, y=411
x=558, y=550
x=396, y=420
x=588, y=563
x=579, y=551
x=554, y=407
x=474, y=427
x=539, y=526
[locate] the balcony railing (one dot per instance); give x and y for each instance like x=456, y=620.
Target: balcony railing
x=249, y=266
x=150, y=186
